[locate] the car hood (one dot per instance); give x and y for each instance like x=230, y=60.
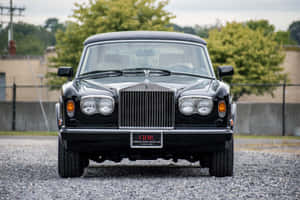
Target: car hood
x=178, y=83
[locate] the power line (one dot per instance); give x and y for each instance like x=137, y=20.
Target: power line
x=11, y=11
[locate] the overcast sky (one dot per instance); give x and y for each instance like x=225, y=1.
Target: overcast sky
x=188, y=12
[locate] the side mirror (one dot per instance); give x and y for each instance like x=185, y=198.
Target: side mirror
x=225, y=71
x=65, y=71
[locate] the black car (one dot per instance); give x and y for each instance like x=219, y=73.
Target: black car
x=145, y=95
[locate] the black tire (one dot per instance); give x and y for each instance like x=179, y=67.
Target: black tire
x=222, y=162
x=70, y=164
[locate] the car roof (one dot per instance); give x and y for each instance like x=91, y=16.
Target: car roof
x=144, y=35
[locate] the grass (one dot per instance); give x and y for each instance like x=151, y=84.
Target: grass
x=291, y=48
x=237, y=136
x=44, y=133
x=28, y=133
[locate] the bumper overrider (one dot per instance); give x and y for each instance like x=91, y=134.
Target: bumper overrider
x=118, y=140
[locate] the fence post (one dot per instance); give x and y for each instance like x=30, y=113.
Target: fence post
x=14, y=106
x=283, y=107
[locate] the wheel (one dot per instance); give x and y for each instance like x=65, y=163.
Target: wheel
x=70, y=164
x=222, y=162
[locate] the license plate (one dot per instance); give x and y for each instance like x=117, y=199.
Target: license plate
x=146, y=140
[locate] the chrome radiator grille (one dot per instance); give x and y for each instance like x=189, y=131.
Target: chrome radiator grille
x=146, y=106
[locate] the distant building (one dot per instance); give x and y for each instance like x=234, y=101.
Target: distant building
x=26, y=71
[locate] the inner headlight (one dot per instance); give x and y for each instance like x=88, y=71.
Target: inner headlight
x=195, y=104
x=97, y=104
x=187, y=107
x=204, y=106
x=106, y=106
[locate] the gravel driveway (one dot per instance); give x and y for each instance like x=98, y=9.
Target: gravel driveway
x=28, y=171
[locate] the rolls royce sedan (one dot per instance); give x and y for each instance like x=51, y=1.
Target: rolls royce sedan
x=145, y=95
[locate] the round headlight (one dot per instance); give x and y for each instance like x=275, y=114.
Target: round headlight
x=187, y=107
x=88, y=107
x=204, y=106
x=106, y=106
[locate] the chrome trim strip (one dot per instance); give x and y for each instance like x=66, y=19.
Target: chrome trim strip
x=58, y=114
x=195, y=96
x=97, y=96
x=145, y=128
x=173, y=131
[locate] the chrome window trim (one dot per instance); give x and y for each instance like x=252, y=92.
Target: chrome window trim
x=149, y=40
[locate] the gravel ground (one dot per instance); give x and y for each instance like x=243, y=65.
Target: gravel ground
x=28, y=171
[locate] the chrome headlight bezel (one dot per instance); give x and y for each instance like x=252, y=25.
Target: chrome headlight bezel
x=202, y=105
x=96, y=106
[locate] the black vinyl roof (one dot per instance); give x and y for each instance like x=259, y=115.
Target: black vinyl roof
x=144, y=35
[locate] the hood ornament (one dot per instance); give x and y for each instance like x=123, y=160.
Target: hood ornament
x=147, y=73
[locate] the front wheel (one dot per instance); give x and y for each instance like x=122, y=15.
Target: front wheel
x=70, y=164
x=222, y=162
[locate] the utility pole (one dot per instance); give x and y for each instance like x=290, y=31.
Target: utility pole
x=11, y=13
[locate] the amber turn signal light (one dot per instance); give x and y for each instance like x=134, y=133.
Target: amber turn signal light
x=222, y=106
x=70, y=106
x=222, y=109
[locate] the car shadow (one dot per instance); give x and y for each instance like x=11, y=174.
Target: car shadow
x=145, y=171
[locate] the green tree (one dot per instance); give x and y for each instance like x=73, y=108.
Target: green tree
x=254, y=56
x=294, y=29
x=53, y=25
x=203, y=31
x=283, y=38
x=100, y=16
x=185, y=29
x=262, y=25
x=30, y=39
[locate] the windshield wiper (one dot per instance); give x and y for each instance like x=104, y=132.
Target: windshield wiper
x=101, y=73
x=194, y=75
x=147, y=70
x=163, y=71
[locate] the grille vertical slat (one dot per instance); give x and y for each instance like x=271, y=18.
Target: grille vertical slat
x=146, y=106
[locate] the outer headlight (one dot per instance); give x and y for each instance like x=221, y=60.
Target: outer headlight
x=195, y=104
x=88, y=106
x=97, y=104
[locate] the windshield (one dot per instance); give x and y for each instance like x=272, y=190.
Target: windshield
x=175, y=57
